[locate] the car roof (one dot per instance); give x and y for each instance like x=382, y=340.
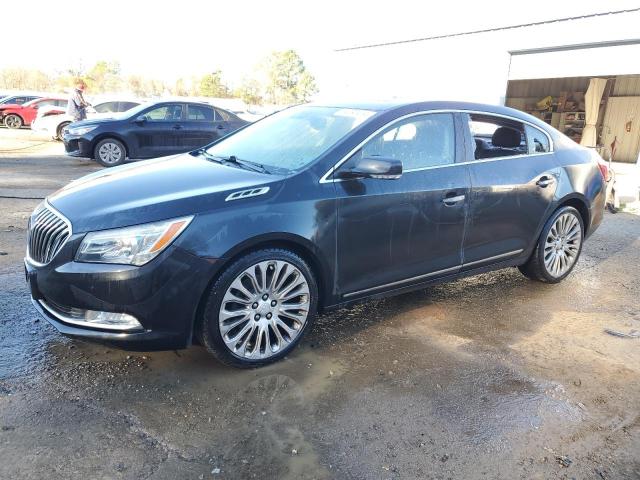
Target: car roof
x=402, y=108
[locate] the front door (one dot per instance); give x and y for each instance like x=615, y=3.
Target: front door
x=392, y=233
x=158, y=131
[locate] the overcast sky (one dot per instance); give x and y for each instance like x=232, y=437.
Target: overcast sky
x=168, y=39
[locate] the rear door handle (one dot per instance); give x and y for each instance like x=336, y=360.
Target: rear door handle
x=545, y=181
x=177, y=127
x=450, y=201
x=221, y=127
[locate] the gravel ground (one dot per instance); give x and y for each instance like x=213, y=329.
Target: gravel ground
x=488, y=377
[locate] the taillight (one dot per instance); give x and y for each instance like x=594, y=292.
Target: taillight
x=604, y=170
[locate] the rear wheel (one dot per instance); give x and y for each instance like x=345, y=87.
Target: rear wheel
x=13, y=121
x=60, y=129
x=558, y=248
x=259, y=308
x=110, y=152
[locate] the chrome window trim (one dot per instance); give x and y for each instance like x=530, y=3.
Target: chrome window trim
x=431, y=274
x=67, y=223
x=325, y=178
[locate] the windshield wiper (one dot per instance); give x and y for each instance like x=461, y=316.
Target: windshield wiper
x=249, y=165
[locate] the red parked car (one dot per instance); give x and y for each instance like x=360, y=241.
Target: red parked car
x=16, y=116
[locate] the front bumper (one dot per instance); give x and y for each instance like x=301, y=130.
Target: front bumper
x=162, y=295
x=77, y=146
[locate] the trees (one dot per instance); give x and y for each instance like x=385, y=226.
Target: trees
x=288, y=80
x=282, y=78
x=211, y=85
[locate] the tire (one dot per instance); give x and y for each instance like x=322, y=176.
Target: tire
x=13, y=121
x=110, y=152
x=561, y=238
x=254, y=328
x=61, y=127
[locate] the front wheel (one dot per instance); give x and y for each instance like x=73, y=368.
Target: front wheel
x=558, y=247
x=60, y=130
x=110, y=152
x=259, y=308
x=13, y=121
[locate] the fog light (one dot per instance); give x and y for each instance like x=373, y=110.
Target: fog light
x=121, y=321
x=92, y=318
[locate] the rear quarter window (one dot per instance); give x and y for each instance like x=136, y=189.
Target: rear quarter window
x=537, y=140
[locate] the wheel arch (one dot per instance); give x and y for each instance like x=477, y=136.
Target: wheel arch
x=106, y=135
x=286, y=241
x=579, y=202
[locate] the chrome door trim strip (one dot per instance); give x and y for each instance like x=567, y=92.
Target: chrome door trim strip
x=431, y=274
x=325, y=178
x=495, y=257
x=400, y=282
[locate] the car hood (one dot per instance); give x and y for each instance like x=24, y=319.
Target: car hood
x=151, y=190
x=12, y=106
x=92, y=122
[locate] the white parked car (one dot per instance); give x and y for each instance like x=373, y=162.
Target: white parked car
x=52, y=120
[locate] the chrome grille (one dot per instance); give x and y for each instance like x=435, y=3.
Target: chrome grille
x=48, y=230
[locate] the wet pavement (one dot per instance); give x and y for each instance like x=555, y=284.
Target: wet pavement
x=489, y=377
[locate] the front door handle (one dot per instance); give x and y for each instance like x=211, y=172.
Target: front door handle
x=545, y=181
x=177, y=127
x=451, y=201
x=221, y=127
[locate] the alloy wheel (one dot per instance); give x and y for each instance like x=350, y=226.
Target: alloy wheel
x=264, y=309
x=110, y=153
x=562, y=245
x=12, y=121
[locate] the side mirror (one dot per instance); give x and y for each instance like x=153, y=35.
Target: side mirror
x=373, y=167
x=140, y=120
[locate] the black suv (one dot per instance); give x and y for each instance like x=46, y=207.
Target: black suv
x=239, y=244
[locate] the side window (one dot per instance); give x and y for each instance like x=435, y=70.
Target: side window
x=106, y=107
x=124, y=106
x=200, y=113
x=423, y=141
x=165, y=113
x=537, y=140
x=226, y=116
x=61, y=103
x=21, y=100
x=44, y=103
x=497, y=137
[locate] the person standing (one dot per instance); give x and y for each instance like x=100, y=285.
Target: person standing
x=77, y=105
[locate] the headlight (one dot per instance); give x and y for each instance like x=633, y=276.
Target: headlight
x=131, y=245
x=80, y=130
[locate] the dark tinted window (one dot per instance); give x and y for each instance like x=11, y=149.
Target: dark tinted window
x=165, y=113
x=21, y=100
x=226, y=116
x=106, y=107
x=497, y=136
x=124, y=106
x=419, y=142
x=200, y=112
x=538, y=141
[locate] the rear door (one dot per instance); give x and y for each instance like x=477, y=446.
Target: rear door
x=513, y=181
x=160, y=132
x=200, y=126
x=392, y=233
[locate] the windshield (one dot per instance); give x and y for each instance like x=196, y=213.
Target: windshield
x=292, y=138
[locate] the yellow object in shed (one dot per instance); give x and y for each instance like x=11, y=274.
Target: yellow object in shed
x=545, y=103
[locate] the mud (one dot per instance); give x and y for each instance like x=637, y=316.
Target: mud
x=489, y=377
